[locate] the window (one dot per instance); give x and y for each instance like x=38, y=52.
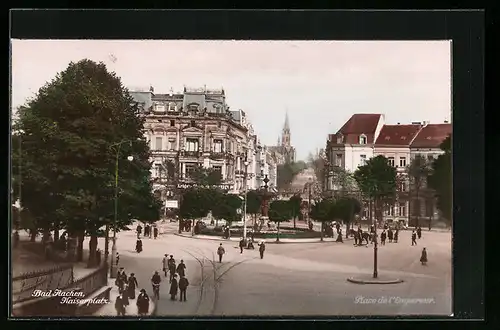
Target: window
x=157, y=171
x=159, y=142
x=160, y=108
x=172, y=145
x=217, y=168
x=402, y=161
x=172, y=107
x=391, y=161
x=193, y=123
x=219, y=124
x=217, y=145
x=362, y=139
x=363, y=160
x=191, y=144
x=338, y=160
x=402, y=209
x=190, y=168
x=172, y=123
x=389, y=210
x=340, y=139
x=430, y=158
x=402, y=186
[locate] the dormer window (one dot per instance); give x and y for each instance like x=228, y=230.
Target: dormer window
x=172, y=107
x=159, y=108
x=362, y=139
x=340, y=139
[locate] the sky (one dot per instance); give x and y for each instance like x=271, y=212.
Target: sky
x=321, y=84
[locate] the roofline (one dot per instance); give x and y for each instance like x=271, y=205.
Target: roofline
x=391, y=146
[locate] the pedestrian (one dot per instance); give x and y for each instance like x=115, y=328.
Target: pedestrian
x=339, y=237
x=242, y=245
x=139, y=231
x=117, y=258
x=383, y=236
x=390, y=235
x=138, y=246
x=181, y=269
x=119, y=280
x=171, y=267
x=143, y=303
x=413, y=238
x=396, y=235
x=155, y=282
x=220, y=252
x=132, y=285
x=419, y=232
x=155, y=232
x=356, y=237
x=125, y=295
x=423, y=257
x=262, y=248
x=183, y=284
x=119, y=306
x=165, y=264
x=173, y=287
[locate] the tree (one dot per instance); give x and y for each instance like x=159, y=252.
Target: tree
x=279, y=211
x=287, y=172
x=377, y=181
x=295, y=206
x=418, y=171
x=227, y=208
x=206, y=177
x=254, y=203
x=345, y=209
x=323, y=212
x=441, y=180
x=67, y=157
x=318, y=163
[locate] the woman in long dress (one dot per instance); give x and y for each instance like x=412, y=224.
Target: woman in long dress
x=423, y=257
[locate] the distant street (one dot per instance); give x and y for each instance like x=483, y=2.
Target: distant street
x=297, y=279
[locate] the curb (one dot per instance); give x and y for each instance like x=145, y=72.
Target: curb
x=374, y=281
x=267, y=242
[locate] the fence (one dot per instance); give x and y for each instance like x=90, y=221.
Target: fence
x=24, y=285
x=51, y=306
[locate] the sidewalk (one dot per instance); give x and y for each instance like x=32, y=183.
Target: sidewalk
x=131, y=310
x=267, y=240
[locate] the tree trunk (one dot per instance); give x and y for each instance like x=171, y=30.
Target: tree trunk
x=32, y=235
x=321, y=231
x=419, y=207
x=347, y=229
x=56, y=233
x=92, y=261
x=79, y=251
x=278, y=232
x=294, y=223
x=106, y=244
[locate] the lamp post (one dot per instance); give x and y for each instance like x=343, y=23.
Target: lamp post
x=246, y=163
x=118, y=145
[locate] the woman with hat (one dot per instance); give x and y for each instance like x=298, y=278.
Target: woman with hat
x=143, y=303
x=173, y=287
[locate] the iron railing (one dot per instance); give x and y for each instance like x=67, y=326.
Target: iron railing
x=93, y=281
x=24, y=285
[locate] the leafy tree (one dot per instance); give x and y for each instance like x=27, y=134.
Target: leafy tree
x=287, y=172
x=345, y=209
x=418, y=171
x=279, y=211
x=254, y=202
x=67, y=159
x=377, y=181
x=227, y=208
x=295, y=206
x=441, y=180
x=206, y=176
x=323, y=211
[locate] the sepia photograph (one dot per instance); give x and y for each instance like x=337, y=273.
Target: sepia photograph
x=227, y=178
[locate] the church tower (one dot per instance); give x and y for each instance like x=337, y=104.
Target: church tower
x=285, y=133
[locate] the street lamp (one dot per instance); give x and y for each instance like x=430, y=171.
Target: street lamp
x=118, y=146
x=246, y=163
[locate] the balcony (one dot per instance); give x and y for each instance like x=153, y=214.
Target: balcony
x=195, y=154
x=239, y=172
x=217, y=155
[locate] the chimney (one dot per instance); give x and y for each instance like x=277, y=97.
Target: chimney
x=416, y=123
x=399, y=123
x=446, y=122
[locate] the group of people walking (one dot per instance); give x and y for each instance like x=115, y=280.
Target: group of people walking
x=149, y=231
x=172, y=270
x=126, y=289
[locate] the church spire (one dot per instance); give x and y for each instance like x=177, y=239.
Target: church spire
x=286, y=127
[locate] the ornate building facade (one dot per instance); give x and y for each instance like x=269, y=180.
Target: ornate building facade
x=284, y=152
x=196, y=128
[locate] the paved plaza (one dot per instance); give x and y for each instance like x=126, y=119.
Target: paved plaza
x=297, y=279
